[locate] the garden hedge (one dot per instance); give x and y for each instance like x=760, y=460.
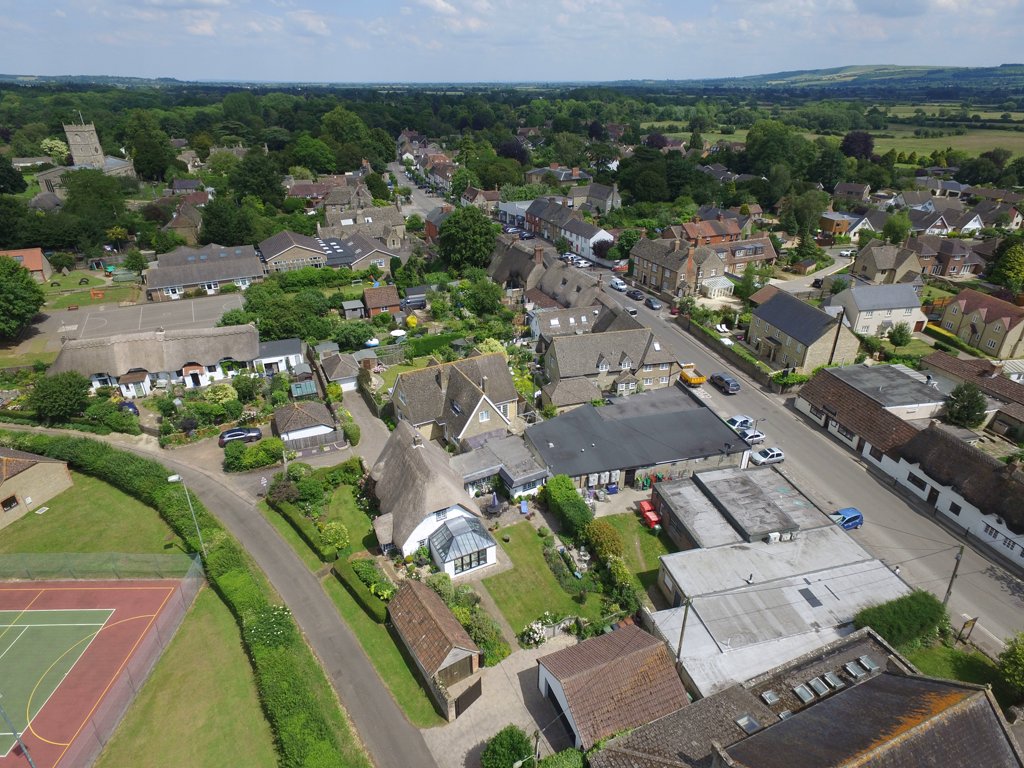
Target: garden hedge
x=424, y=345
x=300, y=706
x=905, y=620
x=306, y=529
x=564, y=500
x=952, y=340
x=374, y=607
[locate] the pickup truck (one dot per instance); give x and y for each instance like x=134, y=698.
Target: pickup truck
x=690, y=376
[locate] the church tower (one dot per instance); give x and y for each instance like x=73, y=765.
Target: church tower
x=84, y=145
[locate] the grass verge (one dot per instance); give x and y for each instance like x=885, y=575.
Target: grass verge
x=203, y=697
x=528, y=589
x=288, y=533
x=91, y=516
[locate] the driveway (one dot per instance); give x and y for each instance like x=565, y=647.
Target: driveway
x=509, y=695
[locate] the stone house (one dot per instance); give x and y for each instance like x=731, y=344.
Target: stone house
x=787, y=333
x=883, y=263
x=873, y=310
x=28, y=481
x=992, y=325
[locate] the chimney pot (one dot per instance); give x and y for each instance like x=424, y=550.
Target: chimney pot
x=538, y=254
x=417, y=440
x=575, y=173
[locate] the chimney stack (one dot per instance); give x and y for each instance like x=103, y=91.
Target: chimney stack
x=483, y=384
x=553, y=166
x=721, y=216
x=417, y=440
x=538, y=255
x=575, y=173
x=675, y=244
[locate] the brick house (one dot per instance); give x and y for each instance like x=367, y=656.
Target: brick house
x=787, y=333
x=382, y=299
x=33, y=260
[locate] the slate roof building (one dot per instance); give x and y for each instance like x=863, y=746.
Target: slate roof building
x=296, y=421
x=873, y=310
x=342, y=369
x=787, y=333
x=289, y=250
x=506, y=460
x=139, y=363
x=419, y=494
x=610, y=683
x=202, y=270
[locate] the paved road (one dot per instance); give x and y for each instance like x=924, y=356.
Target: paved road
x=104, y=320
x=422, y=203
x=896, y=532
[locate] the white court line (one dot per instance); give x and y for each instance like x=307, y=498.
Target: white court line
x=8, y=626
x=15, y=640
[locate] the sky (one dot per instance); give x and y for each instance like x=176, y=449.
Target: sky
x=345, y=41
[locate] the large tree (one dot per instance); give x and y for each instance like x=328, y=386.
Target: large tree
x=20, y=296
x=59, y=397
x=1009, y=270
x=257, y=175
x=150, y=147
x=1011, y=664
x=965, y=406
x=11, y=182
x=859, y=144
x=896, y=228
x=467, y=238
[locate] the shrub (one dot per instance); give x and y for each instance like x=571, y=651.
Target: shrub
x=351, y=431
x=234, y=456
x=604, y=539
x=565, y=501
x=311, y=490
x=349, y=472
x=507, y=746
x=624, y=588
x=334, y=535
x=441, y=583
x=952, y=340
x=371, y=575
x=306, y=529
x=905, y=620
x=486, y=633
x=567, y=758
x=270, y=626
x=373, y=605
x=1011, y=664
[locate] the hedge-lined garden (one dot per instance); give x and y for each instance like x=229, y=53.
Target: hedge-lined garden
x=308, y=725
x=951, y=340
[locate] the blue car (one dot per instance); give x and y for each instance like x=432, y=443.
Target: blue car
x=849, y=518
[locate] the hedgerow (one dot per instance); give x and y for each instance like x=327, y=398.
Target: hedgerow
x=564, y=500
x=299, y=704
x=906, y=620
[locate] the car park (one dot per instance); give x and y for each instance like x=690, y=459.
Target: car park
x=751, y=436
x=768, y=456
x=725, y=382
x=617, y=284
x=653, y=303
x=635, y=294
x=740, y=422
x=129, y=406
x=245, y=434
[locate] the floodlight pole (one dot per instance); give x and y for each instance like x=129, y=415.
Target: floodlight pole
x=17, y=736
x=180, y=479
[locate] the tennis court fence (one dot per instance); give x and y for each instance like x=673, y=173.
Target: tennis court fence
x=86, y=747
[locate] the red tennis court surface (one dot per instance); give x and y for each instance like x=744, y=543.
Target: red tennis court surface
x=55, y=733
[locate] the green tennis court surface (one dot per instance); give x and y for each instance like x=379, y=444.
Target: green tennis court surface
x=37, y=651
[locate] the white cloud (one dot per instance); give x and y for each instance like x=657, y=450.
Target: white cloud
x=201, y=23
x=439, y=6
x=310, y=23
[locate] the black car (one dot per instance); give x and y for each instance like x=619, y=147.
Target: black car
x=527, y=236
x=245, y=434
x=635, y=294
x=128, y=405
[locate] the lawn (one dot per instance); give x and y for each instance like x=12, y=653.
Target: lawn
x=343, y=509
x=70, y=282
x=27, y=352
x=284, y=528
x=386, y=656
x=931, y=292
x=914, y=348
x=968, y=667
x=199, y=706
x=528, y=589
x=83, y=297
x=642, y=546
x=349, y=292
x=391, y=374
x=91, y=516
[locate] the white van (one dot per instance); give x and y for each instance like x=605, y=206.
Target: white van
x=617, y=284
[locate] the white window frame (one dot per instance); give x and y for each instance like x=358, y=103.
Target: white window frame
x=484, y=415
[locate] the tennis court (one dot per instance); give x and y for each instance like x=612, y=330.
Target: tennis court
x=71, y=659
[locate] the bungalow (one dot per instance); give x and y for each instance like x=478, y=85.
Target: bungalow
x=503, y=460
x=202, y=270
x=138, y=363
x=423, y=504
x=872, y=221
x=28, y=481
x=873, y=310
x=299, y=420
x=288, y=250
x=788, y=333
x=279, y=356
x=465, y=402
x=381, y=299
x=1000, y=214
x=342, y=370
x=33, y=260
x=611, y=683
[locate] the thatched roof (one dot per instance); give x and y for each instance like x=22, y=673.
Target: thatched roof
x=413, y=479
x=157, y=351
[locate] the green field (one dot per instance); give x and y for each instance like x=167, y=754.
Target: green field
x=37, y=651
x=91, y=516
x=528, y=589
x=84, y=298
x=199, y=706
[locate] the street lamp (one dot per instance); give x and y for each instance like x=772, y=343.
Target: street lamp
x=536, y=751
x=17, y=736
x=180, y=479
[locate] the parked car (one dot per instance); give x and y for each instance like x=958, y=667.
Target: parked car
x=768, y=456
x=527, y=236
x=673, y=310
x=725, y=382
x=631, y=311
x=849, y=518
x=635, y=294
x=740, y=422
x=245, y=434
x=568, y=257
x=624, y=267
x=816, y=282
x=617, y=284
x=653, y=303
x=128, y=405
x=751, y=436
x=847, y=252
x=513, y=230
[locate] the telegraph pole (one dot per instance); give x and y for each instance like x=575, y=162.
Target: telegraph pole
x=682, y=629
x=949, y=590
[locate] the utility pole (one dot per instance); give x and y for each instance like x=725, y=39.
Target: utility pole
x=949, y=590
x=682, y=630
